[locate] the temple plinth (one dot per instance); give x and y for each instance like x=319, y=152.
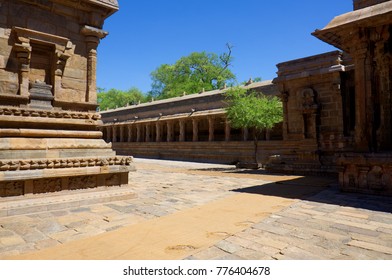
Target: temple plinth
x=49, y=137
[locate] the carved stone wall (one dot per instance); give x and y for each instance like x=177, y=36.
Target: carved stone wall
x=47, y=185
x=313, y=104
x=36, y=45
x=49, y=137
x=365, y=34
x=366, y=173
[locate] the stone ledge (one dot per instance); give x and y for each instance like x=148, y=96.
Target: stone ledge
x=34, y=203
x=22, y=132
x=14, y=111
x=20, y=144
x=42, y=164
x=10, y=176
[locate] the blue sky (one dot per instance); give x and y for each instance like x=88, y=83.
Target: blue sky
x=144, y=34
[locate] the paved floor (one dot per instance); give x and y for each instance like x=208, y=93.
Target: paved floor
x=301, y=218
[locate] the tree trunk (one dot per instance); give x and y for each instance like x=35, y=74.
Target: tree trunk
x=256, y=144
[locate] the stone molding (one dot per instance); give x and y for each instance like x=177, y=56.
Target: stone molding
x=94, y=32
x=107, y=3
x=21, y=165
x=63, y=46
x=25, y=35
x=15, y=111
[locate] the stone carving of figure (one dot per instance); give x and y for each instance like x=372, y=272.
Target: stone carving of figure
x=308, y=101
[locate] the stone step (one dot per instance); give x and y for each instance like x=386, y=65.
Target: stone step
x=35, y=203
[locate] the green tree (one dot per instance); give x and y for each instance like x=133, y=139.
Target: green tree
x=117, y=98
x=254, y=111
x=191, y=74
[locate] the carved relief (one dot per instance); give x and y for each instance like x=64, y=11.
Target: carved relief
x=82, y=182
x=47, y=185
x=308, y=107
x=112, y=180
x=12, y=165
x=11, y=188
x=307, y=100
x=375, y=177
x=364, y=176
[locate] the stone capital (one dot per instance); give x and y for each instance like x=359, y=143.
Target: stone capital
x=93, y=32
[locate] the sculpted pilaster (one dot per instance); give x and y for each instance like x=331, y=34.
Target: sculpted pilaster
x=93, y=36
x=362, y=64
x=23, y=54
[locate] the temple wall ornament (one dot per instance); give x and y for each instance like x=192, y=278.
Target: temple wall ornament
x=61, y=47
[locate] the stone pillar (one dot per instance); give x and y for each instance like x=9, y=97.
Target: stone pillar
x=121, y=133
x=148, y=133
x=138, y=133
x=195, y=125
x=362, y=63
x=114, y=133
x=108, y=132
x=169, y=137
x=285, y=127
x=158, y=136
x=383, y=63
x=227, y=130
x=245, y=134
x=211, y=129
x=93, y=35
x=182, y=130
x=129, y=133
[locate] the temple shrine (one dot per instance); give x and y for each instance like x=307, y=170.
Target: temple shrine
x=49, y=137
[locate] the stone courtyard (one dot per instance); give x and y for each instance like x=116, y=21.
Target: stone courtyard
x=199, y=211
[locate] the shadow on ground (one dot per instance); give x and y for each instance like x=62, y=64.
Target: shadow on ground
x=321, y=190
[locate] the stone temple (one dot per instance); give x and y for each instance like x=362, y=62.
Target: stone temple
x=49, y=137
x=337, y=112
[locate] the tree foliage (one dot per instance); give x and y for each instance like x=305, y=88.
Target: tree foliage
x=254, y=111
x=193, y=73
x=117, y=98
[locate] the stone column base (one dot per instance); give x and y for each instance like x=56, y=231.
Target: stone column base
x=42, y=176
x=366, y=173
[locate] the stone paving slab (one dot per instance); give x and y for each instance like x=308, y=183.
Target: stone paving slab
x=327, y=234
x=324, y=224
